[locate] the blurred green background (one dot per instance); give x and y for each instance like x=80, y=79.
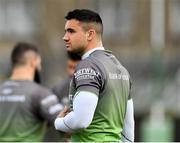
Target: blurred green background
x=143, y=34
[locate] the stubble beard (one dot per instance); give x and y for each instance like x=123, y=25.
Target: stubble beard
x=78, y=51
x=37, y=77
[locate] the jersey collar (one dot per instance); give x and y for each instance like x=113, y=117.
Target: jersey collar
x=91, y=51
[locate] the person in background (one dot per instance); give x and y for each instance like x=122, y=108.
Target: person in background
x=101, y=106
x=26, y=107
x=62, y=88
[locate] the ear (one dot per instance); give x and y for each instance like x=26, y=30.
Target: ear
x=90, y=34
x=32, y=62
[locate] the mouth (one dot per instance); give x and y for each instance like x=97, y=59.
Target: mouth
x=68, y=46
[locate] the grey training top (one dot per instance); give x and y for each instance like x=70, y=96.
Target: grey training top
x=25, y=107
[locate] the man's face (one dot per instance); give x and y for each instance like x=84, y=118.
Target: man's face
x=75, y=37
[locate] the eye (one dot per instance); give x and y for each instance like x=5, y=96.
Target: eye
x=71, y=30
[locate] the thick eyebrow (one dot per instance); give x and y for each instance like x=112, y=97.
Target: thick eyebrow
x=69, y=30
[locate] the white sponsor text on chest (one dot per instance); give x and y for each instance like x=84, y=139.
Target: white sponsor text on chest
x=85, y=72
x=118, y=76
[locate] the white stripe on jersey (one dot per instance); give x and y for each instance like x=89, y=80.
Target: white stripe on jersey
x=55, y=108
x=49, y=99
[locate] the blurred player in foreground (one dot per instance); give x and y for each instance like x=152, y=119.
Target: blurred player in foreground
x=25, y=106
x=101, y=104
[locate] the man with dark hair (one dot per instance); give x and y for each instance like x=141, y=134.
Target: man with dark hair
x=25, y=106
x=18, y=57
x=101, y=105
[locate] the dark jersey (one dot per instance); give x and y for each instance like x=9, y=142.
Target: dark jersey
x=102, y=74
x=25, y=110
x=61, y=90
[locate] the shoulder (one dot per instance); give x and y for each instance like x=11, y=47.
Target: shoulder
x=86, y=66
x=40, y=90
x=63, y=85
x=85, y=62
x=90, y=62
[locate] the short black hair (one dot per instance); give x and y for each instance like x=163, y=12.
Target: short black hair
x=18, y=52
x=73, y=56
x=84, y=15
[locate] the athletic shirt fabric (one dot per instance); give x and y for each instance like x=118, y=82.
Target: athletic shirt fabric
x=25, y=110
x=61, y=90
x=102, y=74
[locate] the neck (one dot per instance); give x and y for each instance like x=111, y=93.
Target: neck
x=22, y=73
x=94, y=45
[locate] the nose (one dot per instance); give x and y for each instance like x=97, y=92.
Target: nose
x=65, y=38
